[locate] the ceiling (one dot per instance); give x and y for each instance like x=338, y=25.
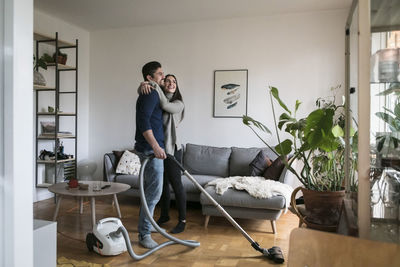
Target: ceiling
x=95, y=15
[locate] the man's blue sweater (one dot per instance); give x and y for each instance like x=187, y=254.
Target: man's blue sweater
x=148, y=117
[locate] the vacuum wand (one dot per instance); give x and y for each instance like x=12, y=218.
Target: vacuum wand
x=274, y=253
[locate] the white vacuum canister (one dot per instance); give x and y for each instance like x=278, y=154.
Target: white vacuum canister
x=103, y=241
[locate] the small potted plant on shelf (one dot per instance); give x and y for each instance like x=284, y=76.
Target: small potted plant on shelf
x=317, y=141
x=61, y=58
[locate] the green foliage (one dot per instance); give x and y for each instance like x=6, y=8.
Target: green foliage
x=392, y=119
x=394, y=88
x=275, y=93
x=316, y=140
x=47, y=58
x=284, y=148
x=42, y=61
x=249, y=121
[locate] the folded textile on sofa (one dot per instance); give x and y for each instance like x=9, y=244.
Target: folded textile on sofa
x=256, y=186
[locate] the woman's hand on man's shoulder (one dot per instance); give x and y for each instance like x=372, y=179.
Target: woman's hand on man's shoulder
x=145, y=88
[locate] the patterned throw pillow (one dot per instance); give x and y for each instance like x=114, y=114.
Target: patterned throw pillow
x=274, y=171
x=128, y=164
x=259, y=164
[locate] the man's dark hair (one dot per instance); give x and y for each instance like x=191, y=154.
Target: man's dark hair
x=150, y=68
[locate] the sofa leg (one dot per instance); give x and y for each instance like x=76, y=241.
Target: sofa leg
x=206, y=221
x=273, y=224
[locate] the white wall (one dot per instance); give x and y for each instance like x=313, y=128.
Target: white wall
x=2, y=195
x=301, y=54
x=48, y=25
x=16, y=191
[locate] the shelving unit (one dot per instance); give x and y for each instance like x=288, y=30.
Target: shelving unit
x=69, y=166
x=376, y=209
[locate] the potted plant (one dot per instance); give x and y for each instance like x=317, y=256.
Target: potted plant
x=388, y=142
x=317, y=141
x=61, y=58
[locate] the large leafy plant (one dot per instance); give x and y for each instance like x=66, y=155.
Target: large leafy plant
x=391, y=118
x=316, y=140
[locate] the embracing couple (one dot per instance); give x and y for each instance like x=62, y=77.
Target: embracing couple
x=159, y=110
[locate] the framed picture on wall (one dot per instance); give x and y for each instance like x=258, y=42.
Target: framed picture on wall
x=230, y=93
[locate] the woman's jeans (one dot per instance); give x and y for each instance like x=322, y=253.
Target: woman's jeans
x=153, y=184
x=173, y=176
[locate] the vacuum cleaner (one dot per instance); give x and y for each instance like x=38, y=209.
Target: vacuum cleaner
x=110, y=237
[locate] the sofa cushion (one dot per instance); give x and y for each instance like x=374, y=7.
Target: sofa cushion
x=240, y=160
x=118, y=154
x=274, y=171
x=268, y=152
x=207, y=160
x=259, y=164
x=132, y=180
x=235, y=198
x=128, y=164
x=201, y=179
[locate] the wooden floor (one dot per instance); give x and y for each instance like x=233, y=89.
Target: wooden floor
x=221, y=243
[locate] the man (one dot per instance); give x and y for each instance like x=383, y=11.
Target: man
x=150, y=139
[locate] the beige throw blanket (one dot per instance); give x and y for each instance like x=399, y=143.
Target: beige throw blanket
x=257, y=187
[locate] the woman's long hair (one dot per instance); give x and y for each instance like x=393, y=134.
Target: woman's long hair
x=177, y=95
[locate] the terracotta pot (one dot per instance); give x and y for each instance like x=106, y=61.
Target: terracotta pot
x=322, y=208
x=61, y=60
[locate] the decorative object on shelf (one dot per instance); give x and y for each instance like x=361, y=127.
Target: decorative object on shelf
x=50, y=173
x=86, y=169
x=230, y=93
x=385, y=65
x=48, y=127
x=316, y=141
x=61, y=59
x=388, y=65
x=50, y=109
x=46, y=155
x=38, y=78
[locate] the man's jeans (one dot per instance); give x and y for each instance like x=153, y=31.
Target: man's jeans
x=153, y=184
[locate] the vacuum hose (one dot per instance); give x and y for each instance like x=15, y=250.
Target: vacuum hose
x=173, y=240
x=275, y=253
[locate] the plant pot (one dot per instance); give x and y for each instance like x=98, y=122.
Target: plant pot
x=61, y=60
x=322, y=208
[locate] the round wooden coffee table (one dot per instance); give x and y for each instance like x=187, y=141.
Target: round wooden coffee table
x=62, y=189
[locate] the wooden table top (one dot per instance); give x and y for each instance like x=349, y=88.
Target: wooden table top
x=63, y=189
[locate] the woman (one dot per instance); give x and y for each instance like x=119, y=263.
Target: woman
x=172, y=104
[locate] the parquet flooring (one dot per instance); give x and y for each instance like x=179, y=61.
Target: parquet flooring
x=221, y=244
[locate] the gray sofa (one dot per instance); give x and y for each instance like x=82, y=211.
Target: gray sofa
x=206, y=163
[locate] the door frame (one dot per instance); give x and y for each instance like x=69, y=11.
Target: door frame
x=16, y=127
